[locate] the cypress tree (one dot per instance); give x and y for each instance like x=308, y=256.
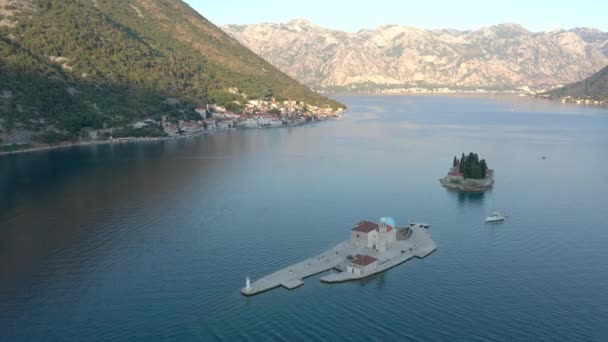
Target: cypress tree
x=471, y=166
x=462, y=164
x=484, y=168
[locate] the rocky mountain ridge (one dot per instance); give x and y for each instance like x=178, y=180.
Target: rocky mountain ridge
x=505, y=56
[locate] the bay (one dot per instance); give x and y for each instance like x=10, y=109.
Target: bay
x=153, y=240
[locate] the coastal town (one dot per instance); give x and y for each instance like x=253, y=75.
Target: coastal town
x=577, y=100
x=255, y=114
x=268, y=113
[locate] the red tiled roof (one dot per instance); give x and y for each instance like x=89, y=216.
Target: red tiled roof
x=363, y=260
x=365, y=226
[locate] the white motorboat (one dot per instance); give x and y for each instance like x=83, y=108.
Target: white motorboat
x=495, y=217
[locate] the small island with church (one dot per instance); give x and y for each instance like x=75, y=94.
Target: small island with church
x=468, y=173
x=372, y=248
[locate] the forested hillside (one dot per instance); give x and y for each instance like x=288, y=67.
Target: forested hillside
x=594, y=87
x=71, y=65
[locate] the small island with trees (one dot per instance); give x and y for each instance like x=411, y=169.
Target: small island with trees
x=469, y=173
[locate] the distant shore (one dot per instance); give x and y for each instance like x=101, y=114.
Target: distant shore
x=603, y=104
x=577, y=100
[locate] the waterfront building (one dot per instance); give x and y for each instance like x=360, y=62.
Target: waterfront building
x=210, y=124
x=224, y=124
x=275, y=122
x=249, y=123
x=361, y=264
x=454, y=174
x=378, y=237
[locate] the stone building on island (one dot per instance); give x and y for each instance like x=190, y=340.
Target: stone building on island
x=361, y=264
x=371, y=249
x=378, y=237
x=468, y=174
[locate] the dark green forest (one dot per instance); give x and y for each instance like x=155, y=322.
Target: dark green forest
x=470, y=166
x=77, y=64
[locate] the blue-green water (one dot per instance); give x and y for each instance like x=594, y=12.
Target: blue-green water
x=153, y=240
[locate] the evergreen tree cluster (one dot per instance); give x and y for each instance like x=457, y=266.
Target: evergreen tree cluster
x=470, y=166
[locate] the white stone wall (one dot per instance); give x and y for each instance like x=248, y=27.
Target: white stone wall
x=224, y=124
x=353, y=269
x=358, y=239
x=451, y=178
x=393, y=235
x=250, y=123
x=370, y=266
x=358, y=270
x=372, y=239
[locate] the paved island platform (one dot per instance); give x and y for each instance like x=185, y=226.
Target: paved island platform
x=346, y=258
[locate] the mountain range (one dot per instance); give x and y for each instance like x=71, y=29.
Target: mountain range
x=500, y=57
x=68, y=66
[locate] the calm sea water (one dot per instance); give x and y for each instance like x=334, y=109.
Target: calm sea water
x=153, y=240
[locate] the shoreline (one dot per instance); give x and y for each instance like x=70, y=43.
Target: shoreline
x=135, y=139
x=464, y=188
x=603, y=104
x=431, y=94
x=92, y=142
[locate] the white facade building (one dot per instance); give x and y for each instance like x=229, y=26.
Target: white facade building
x=361, y=264
x=225, y=124
x=249, y=123
x=370, y=235
x=275, y=122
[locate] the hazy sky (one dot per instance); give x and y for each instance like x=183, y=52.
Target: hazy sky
x=536, y=15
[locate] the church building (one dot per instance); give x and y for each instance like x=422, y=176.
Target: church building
x=378, y=237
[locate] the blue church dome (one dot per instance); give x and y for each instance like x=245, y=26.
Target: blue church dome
x=389, y=221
